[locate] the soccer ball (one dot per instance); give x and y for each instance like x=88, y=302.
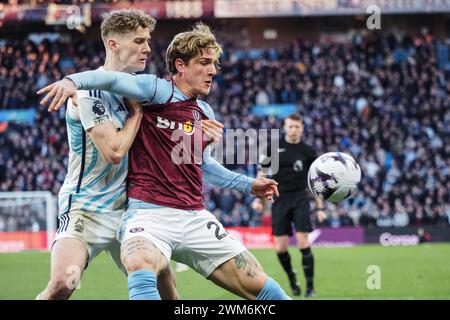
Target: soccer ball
x=334, y=176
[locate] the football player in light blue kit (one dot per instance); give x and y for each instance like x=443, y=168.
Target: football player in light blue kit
x=100, y=132
x=192, y=78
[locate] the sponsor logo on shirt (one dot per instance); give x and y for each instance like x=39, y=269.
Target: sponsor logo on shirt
x=187, y=127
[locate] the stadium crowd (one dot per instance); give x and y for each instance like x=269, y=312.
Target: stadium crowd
x=25, y=217
x=383, y=99
x=75, y=2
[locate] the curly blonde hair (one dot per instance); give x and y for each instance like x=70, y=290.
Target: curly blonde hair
x=189, y=44
x=124, y=21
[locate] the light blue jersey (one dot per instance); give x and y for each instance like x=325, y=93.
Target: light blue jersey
x=150, y=89
x=92, y=184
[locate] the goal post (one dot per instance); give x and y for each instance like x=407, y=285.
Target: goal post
x=27, y=220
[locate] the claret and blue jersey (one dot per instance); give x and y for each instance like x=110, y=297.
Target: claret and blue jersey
x=158, y=94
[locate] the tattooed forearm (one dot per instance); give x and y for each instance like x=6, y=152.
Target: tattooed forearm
x=248, y=263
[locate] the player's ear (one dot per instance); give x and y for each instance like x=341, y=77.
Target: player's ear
x=179, y=65
x=112, y=44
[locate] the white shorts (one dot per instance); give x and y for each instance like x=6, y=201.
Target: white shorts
x=96, y=231
x=195, y=238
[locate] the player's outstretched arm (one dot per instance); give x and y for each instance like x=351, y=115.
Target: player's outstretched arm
x=217, y=175
x=136, y=87
x=121, y=83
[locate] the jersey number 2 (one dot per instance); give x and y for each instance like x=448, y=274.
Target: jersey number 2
x=218, y=236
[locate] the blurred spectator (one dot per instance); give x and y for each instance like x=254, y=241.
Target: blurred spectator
x=384, y=218
x=400, y=218
x=424, y=236
x=22, y=218
x=46, y=2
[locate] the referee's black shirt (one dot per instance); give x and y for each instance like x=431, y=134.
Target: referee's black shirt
x=294, y=163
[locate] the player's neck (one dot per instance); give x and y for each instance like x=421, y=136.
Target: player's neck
x=182, y=86
x=111, y=66
x=292, y=141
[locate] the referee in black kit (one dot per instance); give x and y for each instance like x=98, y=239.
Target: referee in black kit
x=295, y=158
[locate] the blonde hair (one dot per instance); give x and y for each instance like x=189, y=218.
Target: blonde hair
x=124, y=21
x=189, y=44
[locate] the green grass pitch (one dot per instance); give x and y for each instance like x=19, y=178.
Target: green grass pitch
x=420, y=272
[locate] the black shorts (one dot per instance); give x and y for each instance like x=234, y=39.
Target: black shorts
x=291, y=208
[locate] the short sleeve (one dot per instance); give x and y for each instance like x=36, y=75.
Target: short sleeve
x=93, y=112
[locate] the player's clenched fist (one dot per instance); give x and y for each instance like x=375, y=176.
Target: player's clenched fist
x=212, y=129
x=265, y=188
x=58, y=92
